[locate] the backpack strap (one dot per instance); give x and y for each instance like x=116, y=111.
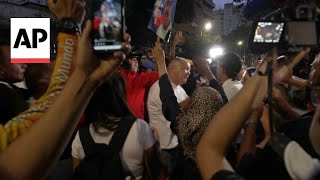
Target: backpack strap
x=121, y=133
x=86, y=139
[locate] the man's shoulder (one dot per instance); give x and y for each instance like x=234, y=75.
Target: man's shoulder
x=153, y=95
x=237, y=83
x=4, y=88
x=154, y=89
x=232, y=86
x=179, y=89
x=180, y=93
x=155, y=86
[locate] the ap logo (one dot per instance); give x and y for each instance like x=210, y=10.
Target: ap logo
x=30, y=40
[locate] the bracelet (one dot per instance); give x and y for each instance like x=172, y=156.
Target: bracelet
x=249, y=121
x=68, y=26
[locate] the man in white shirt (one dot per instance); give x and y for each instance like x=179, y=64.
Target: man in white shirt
x=227, y=70
x=178, y=72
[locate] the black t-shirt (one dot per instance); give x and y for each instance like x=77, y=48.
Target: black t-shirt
x=226, y=175
x=263, y=164
x=191, y=84
x=298, y=130
x=12, y=102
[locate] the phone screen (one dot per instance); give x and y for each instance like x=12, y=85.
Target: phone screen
x=107, y=24
x=268, y=32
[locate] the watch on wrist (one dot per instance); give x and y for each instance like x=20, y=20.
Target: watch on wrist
x=67, y=25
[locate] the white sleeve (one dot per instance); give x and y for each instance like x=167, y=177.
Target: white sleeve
x=145, y=134
x=153, y=103
x=77, y=149
x=184, y=93
x=299, y=164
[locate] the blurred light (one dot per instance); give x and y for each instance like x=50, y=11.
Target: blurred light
x=215, y=51
x=240, y=43
x=209, y=61
x=208, y=26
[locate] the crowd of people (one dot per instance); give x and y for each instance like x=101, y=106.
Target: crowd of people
x=81, y=117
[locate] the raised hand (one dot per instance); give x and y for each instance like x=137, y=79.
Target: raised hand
x=203, y=68
x=158, y=52
x=94, y=68
x=265, y=121
x=283, y=73
x=159, y=57
x=178, y=38
x=74, y=9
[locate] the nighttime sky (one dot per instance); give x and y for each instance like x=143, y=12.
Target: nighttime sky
x=220, y=3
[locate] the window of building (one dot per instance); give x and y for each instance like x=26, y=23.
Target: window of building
x=208, y=5
x=22, y=1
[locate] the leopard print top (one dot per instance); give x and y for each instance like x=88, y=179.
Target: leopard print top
x=206, y=102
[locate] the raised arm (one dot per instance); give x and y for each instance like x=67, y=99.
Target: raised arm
x=32, y=154
x=66, y=55
x=227, y=122
x=178, y=38
x=248, y=142
x=204, y=69
x=230, y=119
x=159, y=57
x=170, y=106
x=282, y=105
x=298, y=82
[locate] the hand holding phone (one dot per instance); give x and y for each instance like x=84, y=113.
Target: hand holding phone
x=108, y=26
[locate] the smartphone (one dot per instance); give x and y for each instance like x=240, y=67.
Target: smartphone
x=108, y=25
x=268, y=32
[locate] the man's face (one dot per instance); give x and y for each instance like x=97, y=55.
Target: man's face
x=183, y=72
x=134, y=64
x=167, y=13
x=10, y=72
x=314, y=78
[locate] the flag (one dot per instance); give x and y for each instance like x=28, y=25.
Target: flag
x=162, y=17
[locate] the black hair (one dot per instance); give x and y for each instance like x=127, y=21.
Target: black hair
x=108, y=104
x=126, y=63
x=231, y=64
